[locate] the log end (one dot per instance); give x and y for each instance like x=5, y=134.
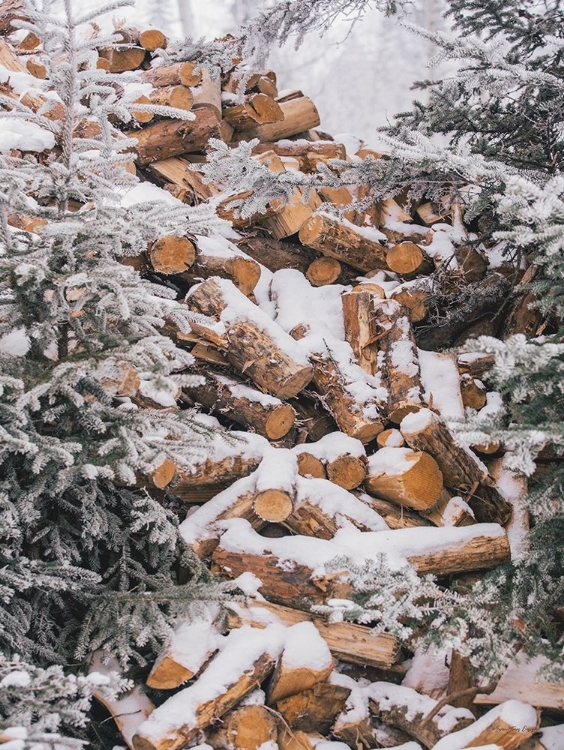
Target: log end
x=347, y=472
x=273, y=505
x=295, y=383
x=400, y=411
x=323, y=271
x=279, y=422
x=172, y=254
x=311, y=466
x=167, y=674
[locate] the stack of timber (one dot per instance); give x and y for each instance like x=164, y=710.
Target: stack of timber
x=319, y=343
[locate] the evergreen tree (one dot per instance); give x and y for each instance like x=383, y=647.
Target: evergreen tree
x=86, y=561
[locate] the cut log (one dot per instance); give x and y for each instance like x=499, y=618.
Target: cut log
x=289, y=740
x=300, y=114
x=265, y=414
x=347, y=471
x=152, y=39
x=352, y=420
x=290, y=218
x=211, y=472
x=343, y=241
x=183, y=73
x=36, y=68
x=407, y=259
x=179, y=97
x=506, y=726
x=360, y=327
x=208, y=94
x=243, y=272
x=309, y=155
x=172, y=137
x=347, y=641
x=276, y=255
x=413, y=298
x=122, y=60
x=314, y=710
x=472, y=263
x=128, y=711
x=323, y=271
x=406, y=709
x=399, y=359
x=257, y=345
x=190, y=648
x=247, y=656
x=390, y=438
x=310, y=466
x=520, y=681
x=461, y=680
x=172, y=254
x=313, y=421
x=462, y=471
x=245, y=728
x=450, y=511
x=300, y=667
x=286, y=579
x=404, y=476
x=396, y=516
x=257, y=110
x=181, y=172
x=473, y=392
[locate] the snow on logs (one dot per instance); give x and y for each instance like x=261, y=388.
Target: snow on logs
x=246, y=658
x=404, y=476
x=300, y=114
x=256, y=346
x=292, y=569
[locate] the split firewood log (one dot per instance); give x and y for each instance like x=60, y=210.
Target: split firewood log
x=506, y=726
x=398, y=359
x=450, y=511
x=176, y=74
x=520, y=681
x=256, y=345
x=191, y=647
x=413, y=296
x=300, y=114
x=309, y=154
x=404, y=476
x=208, y=94
x=305, y=661
x=244, y=728
x=406, y=709
x=314, y=710
x=358, y=246
x=265, y=414
x=347, y=641
x=258, y=109
x=128, y=711
x=290, y=218
x=167, y=138
x=246, y=658
x=181, y=172
x=359, y=319
x=293, y=740
x=462, y=470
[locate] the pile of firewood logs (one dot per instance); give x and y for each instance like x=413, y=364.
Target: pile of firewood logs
x=321, y=342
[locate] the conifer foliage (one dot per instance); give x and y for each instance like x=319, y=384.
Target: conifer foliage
x=85, y=562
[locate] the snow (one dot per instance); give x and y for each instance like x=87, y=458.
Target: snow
x=332, y=446
x=441, y=248
x=242, y=391
x=416, y=421
x=277, y=470
x=518, y=715
x=338, y=504
x=441, y=382
x=391, y=461
x=16, y=343
x=241, y=649
x=513, y=488
x=402, y=358
x=394, y=439
x=352, y=143
x=146, y=192
x=453, y=510
x=552, y=738
x=427, y=673
x=193, y=642
x=25, y=136
x=248, y=583
x=17, y=678
x=305, y=649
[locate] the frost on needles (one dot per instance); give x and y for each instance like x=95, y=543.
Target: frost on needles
x=86, y=563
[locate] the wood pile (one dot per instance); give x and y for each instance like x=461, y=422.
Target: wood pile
x=321, y=343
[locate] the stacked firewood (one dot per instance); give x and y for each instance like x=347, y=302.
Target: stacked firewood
x=320, y=342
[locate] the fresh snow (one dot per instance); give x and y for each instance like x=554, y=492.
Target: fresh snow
x=146, y=192
x=441, y=382
x=514, y=713
x=192, y=643
x=304, y=648
x=391, y=461
x=25, y=136
x=332, y=446
x=241, y=648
